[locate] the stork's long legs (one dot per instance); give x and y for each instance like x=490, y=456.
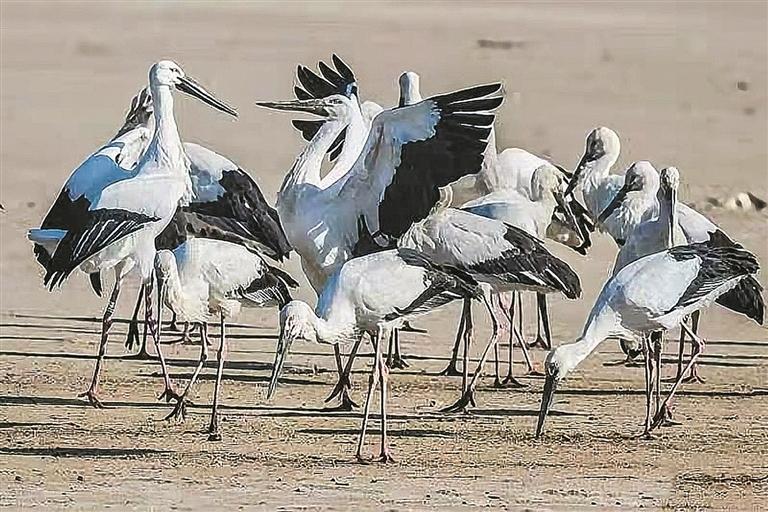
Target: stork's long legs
x=510, y=378
x=180, y=410
x=698, y=347
x=451, y=369
x=384, y=454
x=468, y=328
x=467, y=397
x=106, y=323
x=694, y=375
x=648, y=385
x=213, y=428
x=372, y=380
x=394, y=357
x=542, y=321
x=168, y=394
x=142, y=354
x=133, y=325
x=344, y=384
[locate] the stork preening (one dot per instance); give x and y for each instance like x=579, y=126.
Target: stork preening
x=203, y=279
x=118, y=227
x=371, y=295
x=643, y=300
x=408, y=154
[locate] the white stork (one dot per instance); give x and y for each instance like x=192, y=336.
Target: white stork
x=633, y=203
x=645, y=298
x=372, y=295
x=202, y=279
x=118, y=228
x=676, y=223
x=534, y=216
x=497, y=254
x=409, y=153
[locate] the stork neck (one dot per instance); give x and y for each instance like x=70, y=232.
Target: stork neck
x=354, y=140
x=306, y=168
x=330, y=332
x=600, y=325
x=165, y=147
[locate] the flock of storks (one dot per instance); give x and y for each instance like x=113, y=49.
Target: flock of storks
x=381, y=241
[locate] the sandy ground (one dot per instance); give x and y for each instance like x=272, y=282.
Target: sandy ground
x=664, y=76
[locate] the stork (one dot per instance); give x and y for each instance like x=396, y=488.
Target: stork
x=118, y=228
x=202, y=279
x=676, y=223
x=409, y=153
x=501, y=256
x=534, y=216
x=373, y=294
x=645, y=298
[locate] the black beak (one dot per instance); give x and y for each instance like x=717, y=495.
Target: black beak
x=617, y=200
x=577, y=174
x=190, y=86
x=570, y=218
x=550, y=385
x=316, y=106
x=672, y=199
x=281, y=351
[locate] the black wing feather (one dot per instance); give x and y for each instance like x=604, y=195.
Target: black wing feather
x=103, y=228
x=455, y=150
x=718, y=265
x=243, y=210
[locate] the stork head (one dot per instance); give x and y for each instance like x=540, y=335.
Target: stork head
x=409, y=89
x=336, y=106
x=167, y=73
x=670, y=178
x=548, y=181
x=641, y=178
x=559, y=363
x=297, y=322
x=602, y=145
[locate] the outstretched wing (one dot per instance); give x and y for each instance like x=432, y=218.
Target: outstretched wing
x=414, y=150
x=340, y=80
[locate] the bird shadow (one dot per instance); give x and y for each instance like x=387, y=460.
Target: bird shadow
x=72, y=402
x=76, y=452
x=239, y=378
x=406, y=432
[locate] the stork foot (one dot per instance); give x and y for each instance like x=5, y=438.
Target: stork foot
x=540, y=342
x=663, y=418
x=169, y=394
x=385, y=457
x=694, y=377
x=343, y=385
x=451, y=370
x=346, y=404
x=141, y=355
x=133, y=335
x=93, y=399
x=397, y=362
x=511, y=382
x=462, y=404
x=179, y=412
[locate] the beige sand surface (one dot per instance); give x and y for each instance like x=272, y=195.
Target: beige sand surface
x=663, y=75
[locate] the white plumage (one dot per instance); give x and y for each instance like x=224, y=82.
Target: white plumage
x=645, y=298
x=203, y=279
x=118, y=228
x=371, y=294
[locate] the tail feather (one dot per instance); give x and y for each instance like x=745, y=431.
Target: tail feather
x=746, y=298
